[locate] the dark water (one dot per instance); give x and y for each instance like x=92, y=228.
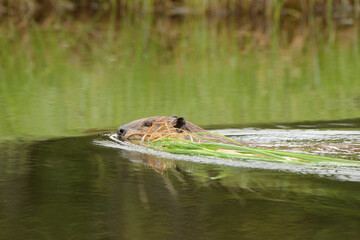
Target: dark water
x=79, y=188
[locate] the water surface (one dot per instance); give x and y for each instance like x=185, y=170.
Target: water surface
x=86, y=188
x=279, y=88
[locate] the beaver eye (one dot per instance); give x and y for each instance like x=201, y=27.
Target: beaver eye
x=147, y=124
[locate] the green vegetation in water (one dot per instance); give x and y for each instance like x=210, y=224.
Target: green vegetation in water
x=240, y=152
x=60, y=82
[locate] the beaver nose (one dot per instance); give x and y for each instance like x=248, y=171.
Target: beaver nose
x=121, y=132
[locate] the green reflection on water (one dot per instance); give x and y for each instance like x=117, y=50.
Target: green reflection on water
x=62, y=81
x=71, y=188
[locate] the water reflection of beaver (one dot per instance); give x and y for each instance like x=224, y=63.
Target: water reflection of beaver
x=147, y=129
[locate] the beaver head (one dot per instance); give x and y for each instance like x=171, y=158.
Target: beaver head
x=145, y=128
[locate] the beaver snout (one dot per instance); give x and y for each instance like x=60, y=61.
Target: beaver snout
x=121, y=133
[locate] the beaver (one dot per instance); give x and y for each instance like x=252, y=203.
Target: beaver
x=151, y=128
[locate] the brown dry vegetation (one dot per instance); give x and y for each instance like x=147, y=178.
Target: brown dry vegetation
x=344, y=12
x=293, y=22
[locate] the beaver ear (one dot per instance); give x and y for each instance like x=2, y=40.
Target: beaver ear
x=179, y=122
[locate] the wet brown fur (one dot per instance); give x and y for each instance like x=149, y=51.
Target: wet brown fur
x=151, y=128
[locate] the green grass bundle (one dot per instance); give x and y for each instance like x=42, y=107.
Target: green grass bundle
x=237, y=151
